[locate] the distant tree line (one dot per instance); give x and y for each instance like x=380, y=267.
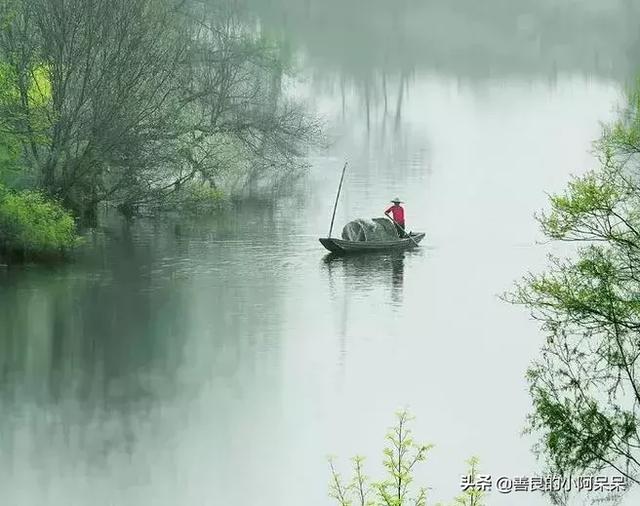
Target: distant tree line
x=135, y=102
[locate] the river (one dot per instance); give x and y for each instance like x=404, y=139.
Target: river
x=219, y=360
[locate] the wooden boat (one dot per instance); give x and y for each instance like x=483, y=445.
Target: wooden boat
x=341, y=246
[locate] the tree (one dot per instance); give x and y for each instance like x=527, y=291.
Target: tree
x=585, y=385
x=237, y=93
x=401, y=456
x=474, y=495
x=139, y=97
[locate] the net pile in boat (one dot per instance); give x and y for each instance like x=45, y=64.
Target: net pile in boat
x=373, y=229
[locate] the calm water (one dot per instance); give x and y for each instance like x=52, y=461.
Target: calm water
x=219, y=361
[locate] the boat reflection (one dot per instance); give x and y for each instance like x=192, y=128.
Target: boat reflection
x=365, y=272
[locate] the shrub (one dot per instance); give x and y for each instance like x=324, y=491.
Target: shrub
x=33, y=224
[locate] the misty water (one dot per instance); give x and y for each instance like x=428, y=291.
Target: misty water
x=219, y=360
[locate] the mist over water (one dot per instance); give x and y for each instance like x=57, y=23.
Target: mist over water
x=220, y=360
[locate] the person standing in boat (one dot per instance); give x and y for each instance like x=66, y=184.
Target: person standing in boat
x=397, y=215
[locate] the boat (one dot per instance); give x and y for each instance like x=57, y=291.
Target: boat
x=368, y=235
x=342, y=246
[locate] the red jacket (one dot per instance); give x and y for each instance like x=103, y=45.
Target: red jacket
x=398, y=213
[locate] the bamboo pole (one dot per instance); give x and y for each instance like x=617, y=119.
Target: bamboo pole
x=335, y=205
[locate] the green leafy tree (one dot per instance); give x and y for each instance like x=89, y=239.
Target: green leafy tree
x=585, y=385
x=472, y=496
x=401, y=455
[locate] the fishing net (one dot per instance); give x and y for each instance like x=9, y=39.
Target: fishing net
x=374, y=229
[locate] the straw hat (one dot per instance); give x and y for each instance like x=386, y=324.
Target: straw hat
x=397, y=200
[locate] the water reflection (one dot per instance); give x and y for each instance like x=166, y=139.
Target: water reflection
x=365, y=272
x=109, y=329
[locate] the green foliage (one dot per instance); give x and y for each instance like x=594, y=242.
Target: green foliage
x=9, y=143
x=578, y=435
x=473, y=496
x=32, y=224
x=358, y=489
x=17, y=127
x=585, y=385
x=200, y=199
x=193, y=198
x=623, y=137
x=9, y=154
x=128, y=101
x=25, y=117
x=400, y=457
x=592, y=196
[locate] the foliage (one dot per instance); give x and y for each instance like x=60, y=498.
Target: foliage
x=586, y=386
x=32, y=224
x=473, y=496
x=623, y=137
x=126, y=100
x=400, y=457
x=193, y=199
x=11, y=139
